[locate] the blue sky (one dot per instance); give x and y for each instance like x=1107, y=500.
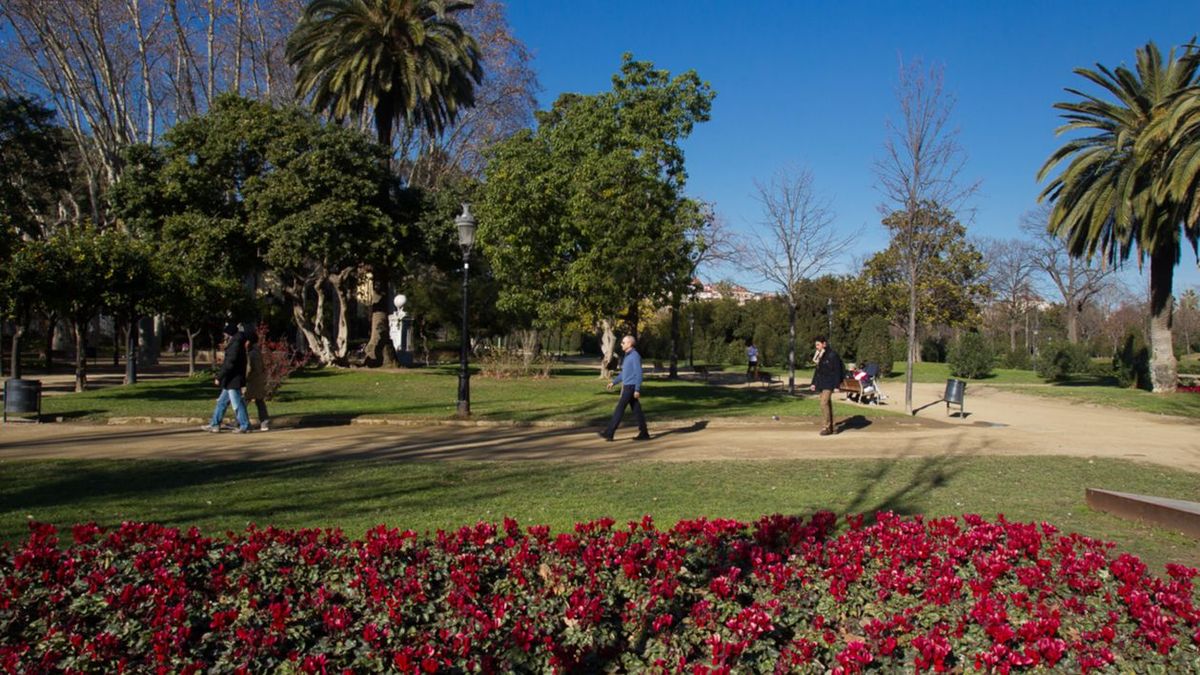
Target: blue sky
x=811, y=84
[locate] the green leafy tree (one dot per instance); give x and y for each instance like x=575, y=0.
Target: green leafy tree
x=21, y=291
x=200, y=252
x=606, y=174
x=1125, y=186
x=398, y=61
x=1189, y=317
x=80, y=264
x=247, y=184
x=950, y=283
x=32, y=172
x=971, y=356
x=32, y=177
x=875, y=344
x=132, y=288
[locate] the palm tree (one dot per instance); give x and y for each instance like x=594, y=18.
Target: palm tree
x=403, y=61
x=1113, y=196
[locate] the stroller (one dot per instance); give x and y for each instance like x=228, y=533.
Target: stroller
x=868, y=381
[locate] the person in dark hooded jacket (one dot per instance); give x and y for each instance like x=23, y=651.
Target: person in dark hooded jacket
x=826, y=378
x=231, y=378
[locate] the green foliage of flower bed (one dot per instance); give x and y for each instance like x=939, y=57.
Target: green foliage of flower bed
x=784, y=594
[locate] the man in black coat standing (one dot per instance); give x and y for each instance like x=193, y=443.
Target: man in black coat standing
x=826, y=378
x=231, y=378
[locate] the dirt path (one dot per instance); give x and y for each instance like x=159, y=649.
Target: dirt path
x=998, y=423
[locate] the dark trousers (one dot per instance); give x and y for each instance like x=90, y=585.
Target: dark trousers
x=261, y=406
x=627, y=399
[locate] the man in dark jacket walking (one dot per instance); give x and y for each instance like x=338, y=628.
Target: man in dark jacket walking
x=630, y=378
x=231, y=378
x=826, y=378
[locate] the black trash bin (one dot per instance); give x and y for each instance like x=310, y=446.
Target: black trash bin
x=22, y=397
x=954, y=394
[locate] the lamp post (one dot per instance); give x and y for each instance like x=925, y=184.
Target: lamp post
x=829, y=313
x=466, y=239
x=691, y=337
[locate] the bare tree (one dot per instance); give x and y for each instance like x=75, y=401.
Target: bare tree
x=1077, y=280
x=1010, y=276
x=708, y=241
x=120, y=71
x=920, y=177
x=504, y=104
x=797, y=241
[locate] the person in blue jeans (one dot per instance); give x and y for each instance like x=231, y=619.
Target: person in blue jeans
x=630, y=378
x=231, y=378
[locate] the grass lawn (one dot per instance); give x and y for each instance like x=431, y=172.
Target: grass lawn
x=1091, y=389
x=356, y=495
x=573, y=394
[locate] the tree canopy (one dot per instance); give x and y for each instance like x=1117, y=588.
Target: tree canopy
x=585, y=216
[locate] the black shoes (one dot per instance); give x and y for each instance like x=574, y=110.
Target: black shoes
x=639, y=437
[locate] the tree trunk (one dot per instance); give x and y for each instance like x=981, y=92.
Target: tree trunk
x=792, y=348
x=149, y=344
x=15, y=369
x=380, y=351
x=1073, y=311
x=192, y=352
x=341, y=338
x=673, y=374
x=912, y=338
x=1163, y=372
x=608, y=342
x=131, y=351
x=80, y=362
x=51, y=322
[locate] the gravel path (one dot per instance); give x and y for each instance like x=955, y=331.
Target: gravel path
x=998, y=422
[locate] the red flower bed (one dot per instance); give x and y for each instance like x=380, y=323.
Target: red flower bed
x=782, y=595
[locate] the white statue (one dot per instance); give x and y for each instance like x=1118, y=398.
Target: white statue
x=396, y=324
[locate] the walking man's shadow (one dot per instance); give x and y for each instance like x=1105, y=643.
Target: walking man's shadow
x=852, y=423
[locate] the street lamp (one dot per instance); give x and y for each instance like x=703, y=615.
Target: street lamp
x=829, y=314
x=691, y=337
x=466, y=239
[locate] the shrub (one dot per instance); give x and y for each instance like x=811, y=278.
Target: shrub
x=784, y=594
x=503, y=364
x=971, y=357
x=1131, y=363
x=1016, y=359
x=875, y=344
x=933, y=349
x=279, y=360
x=1059, y=359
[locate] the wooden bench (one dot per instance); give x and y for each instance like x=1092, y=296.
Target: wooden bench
x=849, y=386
